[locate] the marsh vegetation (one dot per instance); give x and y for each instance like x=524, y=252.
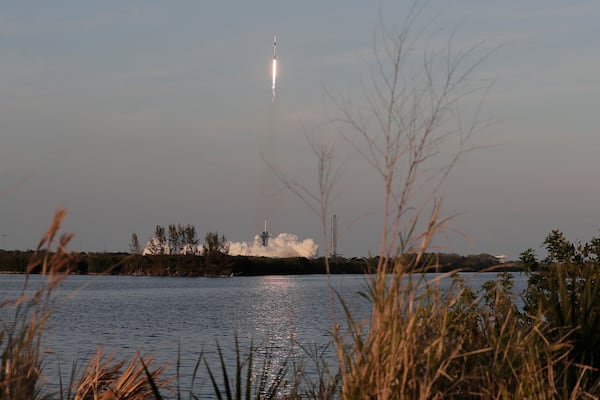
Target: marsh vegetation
x=420, y=341
x=434, y=342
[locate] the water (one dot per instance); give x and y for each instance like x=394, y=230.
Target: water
x=161, y=317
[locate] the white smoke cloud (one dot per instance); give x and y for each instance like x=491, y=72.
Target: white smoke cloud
x=280, y=246
x=154, y=246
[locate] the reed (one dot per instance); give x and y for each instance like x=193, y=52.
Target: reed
x=20, y=337
x=425, y=342
x=106, y=378
x=21, y=369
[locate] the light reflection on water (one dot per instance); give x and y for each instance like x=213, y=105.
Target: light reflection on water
x=164, y=316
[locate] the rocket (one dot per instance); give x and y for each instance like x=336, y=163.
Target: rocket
x=275, y=47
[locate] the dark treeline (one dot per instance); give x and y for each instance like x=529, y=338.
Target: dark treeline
x=219, y=264
x=446, y=262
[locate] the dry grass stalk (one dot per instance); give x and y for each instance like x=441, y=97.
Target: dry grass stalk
x=413, y=346
x=104, y=378
x=20, y=338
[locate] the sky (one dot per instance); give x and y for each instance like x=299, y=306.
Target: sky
x=132, y=114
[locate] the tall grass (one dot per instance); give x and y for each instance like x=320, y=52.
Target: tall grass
x=20, y=337
x=245, y=383
x=106, y=378
x=21, y=371
x=423, y=342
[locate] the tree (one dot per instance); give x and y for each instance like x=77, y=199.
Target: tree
x=215, y=252
x=190, y=239
x=181, y=239
x=215, y=245
x=563, y=291
x=156, y=245
x=174, y=241
x=134, y=246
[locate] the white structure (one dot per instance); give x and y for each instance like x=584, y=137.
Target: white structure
x=265, y=236
x=501, y=258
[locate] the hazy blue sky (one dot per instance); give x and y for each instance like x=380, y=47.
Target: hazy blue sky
x=137, y=113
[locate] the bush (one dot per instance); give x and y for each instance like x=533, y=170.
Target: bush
x=564, y=290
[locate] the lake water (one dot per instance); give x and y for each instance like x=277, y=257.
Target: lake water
x=161, y=316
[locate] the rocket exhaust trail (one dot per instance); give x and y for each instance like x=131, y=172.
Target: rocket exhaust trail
x=274, y=77
x=274, y=66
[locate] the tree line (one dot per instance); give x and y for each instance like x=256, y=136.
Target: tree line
x=180, y=240
x=214, y=261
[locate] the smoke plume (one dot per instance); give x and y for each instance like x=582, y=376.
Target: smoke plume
x=280, y=246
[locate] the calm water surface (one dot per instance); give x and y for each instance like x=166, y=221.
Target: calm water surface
x=162, y=316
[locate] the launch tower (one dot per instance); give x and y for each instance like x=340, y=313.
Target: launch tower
x=265, y=236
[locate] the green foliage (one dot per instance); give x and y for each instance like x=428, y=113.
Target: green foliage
x=105, y=263
x=448, y=262
x=564, y=290
x=15, y=261
x=215, y=245
x=215, y=252
x=528, y=261
x=269, y=384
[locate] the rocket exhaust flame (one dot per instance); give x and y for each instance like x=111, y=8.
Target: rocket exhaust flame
x=274, y=66
x=274, y=77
